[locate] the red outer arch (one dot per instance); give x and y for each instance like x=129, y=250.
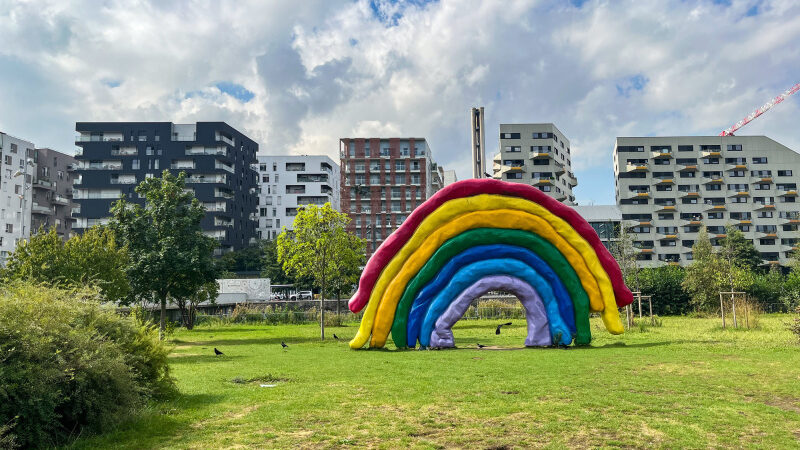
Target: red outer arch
x=467, y=188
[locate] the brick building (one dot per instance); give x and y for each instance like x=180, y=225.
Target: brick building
x=382, y=181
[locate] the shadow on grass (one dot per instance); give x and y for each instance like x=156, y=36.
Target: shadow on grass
x=154, y=427
x=289, y=340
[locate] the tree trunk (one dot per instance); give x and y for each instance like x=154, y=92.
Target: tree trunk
x=162, y=322
x=338, y=303
x=322, y=309
x=190, y=317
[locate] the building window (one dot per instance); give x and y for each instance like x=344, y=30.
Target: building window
x=513, y=175
x=759, y=160
x=400, y=179
x=512, y=149
x=784, y=173
x=509, y=136
x=734, y=147
x=685, y=148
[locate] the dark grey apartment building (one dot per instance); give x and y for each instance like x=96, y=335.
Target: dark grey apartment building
x=52, y=192
x=115, y=156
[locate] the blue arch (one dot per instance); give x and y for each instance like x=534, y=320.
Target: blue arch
x=483, y=252
x=471, y=273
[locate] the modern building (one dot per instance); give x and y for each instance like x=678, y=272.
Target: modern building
x=478, y=141
x=52, y=192
x=289, y=182
x=16, y=175
x=537, y=154
x=605, y=219
x=669, y=187
x=383, y=180
x=449, y=177
x=113, y=157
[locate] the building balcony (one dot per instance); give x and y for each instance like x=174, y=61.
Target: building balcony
x=39, y=209
x=560, y=196
x=707, y=153
x=668, y=237
x=665, y=181
x=688, y=194
x=661, y=154
x=736, y=166
x=103, y=166
x=542, y=181
x=763, y=206
x=716, y=207
x=740, y=194
x=795, y=221
x=638, y=167
x=765, y=180
x=130, y=179
x=42, y=183
x=560, y=169
x=60, y=200
x=768, y=234
x=223, y=166
x=688, y=168
x=713, y=180
x=745, y=222
x=104, y=137
x=541, y=154
x=199, y=151
x=640, y=195
x=125, y=151
x=212, y=179
x=665, y=207
x=788, y=193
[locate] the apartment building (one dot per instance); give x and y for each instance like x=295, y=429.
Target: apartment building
x=382, y=181
x=669, y=187
x=52, y=192
x=16, y=174
x=606, y=220
x=537, y=154
x=113, y=157
x=287, y=183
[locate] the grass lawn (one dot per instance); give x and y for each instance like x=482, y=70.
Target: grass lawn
x=686, y=384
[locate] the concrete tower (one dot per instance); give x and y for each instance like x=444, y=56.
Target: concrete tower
x=478, y=142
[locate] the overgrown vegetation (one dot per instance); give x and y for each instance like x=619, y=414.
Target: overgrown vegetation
x=794, y=325
x=69, y=366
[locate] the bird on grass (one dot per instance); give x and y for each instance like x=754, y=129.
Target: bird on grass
x=481, y=346
x=497, y=331
x=217, y=352
x=335, y=336
x=283, y=344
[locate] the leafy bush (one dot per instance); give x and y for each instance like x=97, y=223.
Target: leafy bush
x=68, y=365
x=794, y=326
x=664, y=285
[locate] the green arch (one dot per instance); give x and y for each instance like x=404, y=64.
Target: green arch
x=482, y=236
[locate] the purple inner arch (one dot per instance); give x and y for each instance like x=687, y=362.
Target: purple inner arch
x=538, y=329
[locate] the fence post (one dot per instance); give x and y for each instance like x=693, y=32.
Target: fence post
x=733, y=308
x=722, y=310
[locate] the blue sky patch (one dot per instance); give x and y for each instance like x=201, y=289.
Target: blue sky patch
x=236, y=91
x=111, y=83
x=634, y=83
x=391, y=20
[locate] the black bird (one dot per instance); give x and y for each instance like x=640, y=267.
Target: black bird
x=217, y=352
x=481, y=346
x=335, y=336
x=497, y=331
x=283, y=344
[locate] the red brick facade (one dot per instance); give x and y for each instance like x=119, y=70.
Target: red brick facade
x=359, y=172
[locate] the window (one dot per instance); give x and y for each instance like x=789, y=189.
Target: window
x=710, y=160
x=761, y=173
x=400, y=179
x=689, y=201
x=509, y=135
x=710, y=148
x=734, y=147
x=686, y=161
x=738, y=187
x=691, y=216
x=513, y=175
x=399, y=165
x=761, y=187
x=135, y=164
x=688, y=175
x=716, y=215
x=784, y=173
x=666, y=216
x=13, y=150
x=374, y=179
x=713, y=187
x=663, y=188
x=513, y=148
x=415, y=178
x=10, y=226
x=685, y=148
x=768, y=241
x=759, y=160
x=661, y=162
x=739, y=200
x=630, y=149
x=735, y=161
x=542, y=135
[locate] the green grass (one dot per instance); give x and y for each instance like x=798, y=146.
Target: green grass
x=686, y=384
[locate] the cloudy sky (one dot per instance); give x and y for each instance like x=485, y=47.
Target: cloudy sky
x=298, y=75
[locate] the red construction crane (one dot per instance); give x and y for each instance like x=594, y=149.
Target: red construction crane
x=760, y=111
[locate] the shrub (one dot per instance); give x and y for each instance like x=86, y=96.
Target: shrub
x=794, y=326
x=70, y=366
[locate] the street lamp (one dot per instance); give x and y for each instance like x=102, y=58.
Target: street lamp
x=25, y=187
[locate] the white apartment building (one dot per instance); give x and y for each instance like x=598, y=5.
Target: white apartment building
x=16, y=175
x=289, y=182
x=669, y=187
x=537, y=154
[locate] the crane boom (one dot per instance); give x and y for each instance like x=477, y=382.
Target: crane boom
x=761, y=110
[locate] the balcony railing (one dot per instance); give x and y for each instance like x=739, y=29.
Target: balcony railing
x=101, y=138
x=100, y=167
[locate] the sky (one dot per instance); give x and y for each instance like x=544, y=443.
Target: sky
x=298, y=75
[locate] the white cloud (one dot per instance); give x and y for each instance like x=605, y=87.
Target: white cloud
x=321, y=70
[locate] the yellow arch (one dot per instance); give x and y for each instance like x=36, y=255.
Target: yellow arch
x=563, y=236
x=484, y=202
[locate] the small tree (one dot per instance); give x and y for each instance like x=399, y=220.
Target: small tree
x=315, y=247
x=170, y=258
x=624, y=251
x=188, y=305
x=739, y=250
x=347, y=268
x=271, y=266
x=92, y=258
x=702, y=275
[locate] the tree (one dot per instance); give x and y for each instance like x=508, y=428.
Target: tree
x=170, y=258
x=347, y=267
x=316, y=247
x=188, y=305
x=92, y=258
x=664, y=285
x=248, y=259
x=271, y=267
x=624, y=251
x=735, y=247
x=701, y=276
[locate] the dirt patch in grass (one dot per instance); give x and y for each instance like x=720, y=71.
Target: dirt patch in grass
x=268, y=378
x=784, y=403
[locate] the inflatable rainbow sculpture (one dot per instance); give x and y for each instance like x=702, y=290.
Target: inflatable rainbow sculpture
x=475, y=236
